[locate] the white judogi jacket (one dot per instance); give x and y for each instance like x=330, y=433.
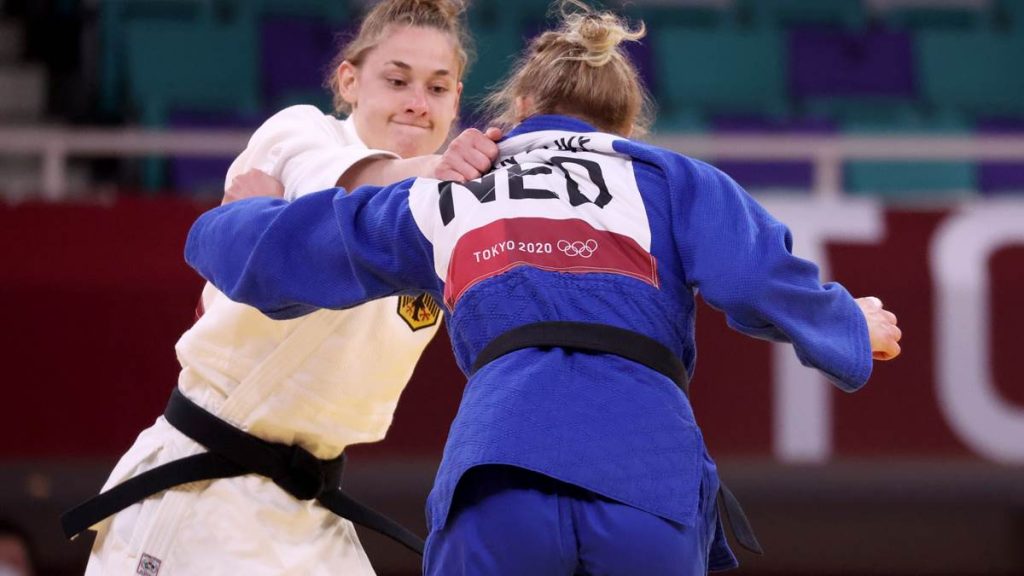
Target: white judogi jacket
x=323, y=381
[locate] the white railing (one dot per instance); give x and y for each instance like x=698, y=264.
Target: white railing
x=827, y=153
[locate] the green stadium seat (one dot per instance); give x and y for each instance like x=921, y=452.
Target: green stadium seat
x=1010, y=12
x=114, y=17
x=333, y=11
x=918, y=180
x=173, y=65
x=719, y=72
x=517, y=15
x=179, y=66
x=117, y=16
x=863, y=111
x=685, y=16
x=925, y=17
x=971, y=72
x=497, y=48
x=691, y=121
x=786, y=13
x=909, y=180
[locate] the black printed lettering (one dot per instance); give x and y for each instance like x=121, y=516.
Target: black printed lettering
x=483, y=189
x=573, y=144
x=517, y=191
x=593, y=169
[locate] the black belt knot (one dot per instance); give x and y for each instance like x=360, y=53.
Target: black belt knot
x=306, y=477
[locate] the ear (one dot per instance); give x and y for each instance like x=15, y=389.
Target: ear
x=524, y=108
x=348, y=82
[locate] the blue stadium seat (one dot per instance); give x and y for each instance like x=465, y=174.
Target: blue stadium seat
x=1001, y=177
x=826, y=63
x=203, y=176
x=295, y=55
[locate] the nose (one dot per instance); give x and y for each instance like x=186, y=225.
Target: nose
x=417, y=103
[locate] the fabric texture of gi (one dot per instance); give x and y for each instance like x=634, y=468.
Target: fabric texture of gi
x=507, y=521
x=323, y=381
x=573, y=225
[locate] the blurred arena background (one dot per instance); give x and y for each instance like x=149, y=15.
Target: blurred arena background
x=889, y=134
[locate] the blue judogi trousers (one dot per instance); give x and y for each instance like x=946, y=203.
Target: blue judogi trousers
x=510, y=521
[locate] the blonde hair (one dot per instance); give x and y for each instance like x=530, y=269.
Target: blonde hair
x=443, y=15
x=578, y=69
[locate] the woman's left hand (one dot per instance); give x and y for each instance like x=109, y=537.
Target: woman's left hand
x=252, y=184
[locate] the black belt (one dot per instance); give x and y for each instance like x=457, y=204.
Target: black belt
x=233, y=452
x=604, y=339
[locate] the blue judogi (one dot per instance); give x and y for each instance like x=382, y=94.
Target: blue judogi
x=509, y=521
x=574, y=225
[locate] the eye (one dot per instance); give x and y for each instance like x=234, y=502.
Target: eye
x=396, y=82
x=439, y=89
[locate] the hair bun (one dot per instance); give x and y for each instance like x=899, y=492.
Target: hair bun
x=577, y=69
x=598, y=33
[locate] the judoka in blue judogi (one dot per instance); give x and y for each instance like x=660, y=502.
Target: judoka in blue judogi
x=567, y=459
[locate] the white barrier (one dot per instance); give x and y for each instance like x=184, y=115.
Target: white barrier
x=827, y=153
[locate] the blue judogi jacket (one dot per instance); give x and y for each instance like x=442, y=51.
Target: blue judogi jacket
x=572, y=225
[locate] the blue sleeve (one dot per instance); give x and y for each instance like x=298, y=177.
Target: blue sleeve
x=740, y=259
x=328, y=249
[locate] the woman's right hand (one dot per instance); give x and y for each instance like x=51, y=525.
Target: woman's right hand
x=469, y=156
x=885, y=335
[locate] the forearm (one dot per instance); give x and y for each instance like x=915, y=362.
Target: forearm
x=379, y=171
x=826, y=328
x=469, y=156
x=741, y=260
x=327, y=249
x=270, y=254
x=777, y=296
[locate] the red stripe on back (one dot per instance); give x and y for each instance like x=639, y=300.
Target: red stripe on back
x=572, y=246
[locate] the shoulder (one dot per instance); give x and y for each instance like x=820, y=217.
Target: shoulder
x=295, y=130
x=669, y=164
x=302, y=113
x=681, y=168
x=299, y=120
x=300, y=146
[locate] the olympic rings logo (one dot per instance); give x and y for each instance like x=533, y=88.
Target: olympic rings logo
x=578, y=248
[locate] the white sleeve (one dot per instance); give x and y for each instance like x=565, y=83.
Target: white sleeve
x=303, y=148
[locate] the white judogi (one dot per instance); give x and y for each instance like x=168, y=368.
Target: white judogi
x=323, y=381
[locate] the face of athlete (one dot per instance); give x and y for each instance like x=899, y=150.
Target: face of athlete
x=405, y=94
